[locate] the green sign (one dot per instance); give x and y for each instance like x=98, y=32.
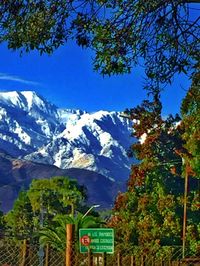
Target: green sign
x=97, y=240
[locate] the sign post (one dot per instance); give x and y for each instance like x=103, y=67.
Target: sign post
x=97, y=240
x=69, y=244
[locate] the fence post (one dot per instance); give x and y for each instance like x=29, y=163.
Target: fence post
x=170, y=261
x=153, y=261
x=119, y=259
x=90, y=258
x=142, y=260
x=98, y=260
x=69, y=244
x=24, y=252
x=104, y=259
x=47, y=255
x=132, y=260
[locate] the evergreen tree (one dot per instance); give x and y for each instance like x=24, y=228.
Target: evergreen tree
x=56, y=195
x=36, y=208
x=20, y=221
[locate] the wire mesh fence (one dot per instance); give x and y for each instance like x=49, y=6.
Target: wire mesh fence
x=9, y=253
x=22, y=253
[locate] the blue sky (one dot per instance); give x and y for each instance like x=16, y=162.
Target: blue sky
x=67, y=79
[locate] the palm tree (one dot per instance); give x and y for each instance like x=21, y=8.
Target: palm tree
x=55, y=235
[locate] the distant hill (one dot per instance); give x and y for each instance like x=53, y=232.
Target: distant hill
x=16, y=174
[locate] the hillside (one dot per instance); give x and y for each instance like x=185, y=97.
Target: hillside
x=16, y=174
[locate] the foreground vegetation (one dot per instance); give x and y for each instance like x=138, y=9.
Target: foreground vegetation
x=42, y=212
x=149, y=215
x=163, y=35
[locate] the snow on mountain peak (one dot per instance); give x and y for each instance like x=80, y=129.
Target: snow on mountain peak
x=33, y=99
x=26, y=100
x=96, y=142
x=27, y=121
x=37, y=130
x=12, y=98
x=16, y=99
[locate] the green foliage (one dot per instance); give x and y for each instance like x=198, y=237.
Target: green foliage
x=2, y=224
x=55, y=235
x=58, y=194
x=190, y=133
x=20, y=220
x=149, y=214
x=164, y=34
x=191, y=124
x=45, y=199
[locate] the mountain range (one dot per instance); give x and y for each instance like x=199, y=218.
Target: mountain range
x=35, y=133
x=16, y=174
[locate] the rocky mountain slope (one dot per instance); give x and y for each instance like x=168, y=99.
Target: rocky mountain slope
x=27, y=122
x=34, y=129
x=16, y=174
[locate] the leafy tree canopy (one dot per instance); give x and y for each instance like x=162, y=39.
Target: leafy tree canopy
x=149, y=214
x=20, y=221
x=163, y=35
x=56, y=194
x=191, y=124
x=45, y=199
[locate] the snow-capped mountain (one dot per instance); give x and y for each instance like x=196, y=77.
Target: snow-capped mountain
x=97, y=142
x=27, y=122
x=36, y=130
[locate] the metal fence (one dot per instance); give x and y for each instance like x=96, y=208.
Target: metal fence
x=25, y=254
